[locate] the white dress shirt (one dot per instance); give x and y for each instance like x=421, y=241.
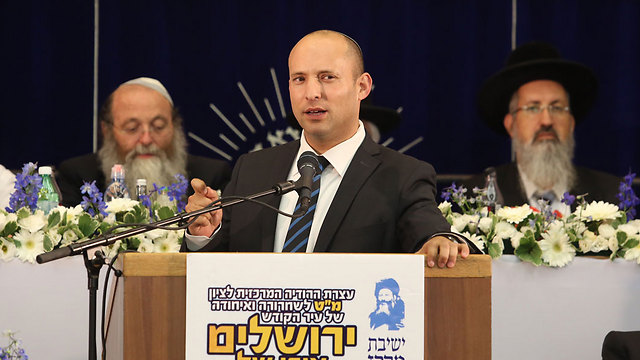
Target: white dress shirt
x=339, y=157
x=558, y=190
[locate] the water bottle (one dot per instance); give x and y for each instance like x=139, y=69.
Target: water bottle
x=117, y=189
x=49, y=195
x=493, y=195
x=141, y=188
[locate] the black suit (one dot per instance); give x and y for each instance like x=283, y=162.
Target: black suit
x=600, y=186
x=71, y=174
x=385, y=203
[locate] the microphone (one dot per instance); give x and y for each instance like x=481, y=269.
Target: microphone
x=308, y=167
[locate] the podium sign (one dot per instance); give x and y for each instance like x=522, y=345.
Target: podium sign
x=304, y=306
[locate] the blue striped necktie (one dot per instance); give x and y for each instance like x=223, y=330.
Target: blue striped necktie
x=298, y=233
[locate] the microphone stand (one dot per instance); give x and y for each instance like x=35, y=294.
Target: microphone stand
x=95, y=265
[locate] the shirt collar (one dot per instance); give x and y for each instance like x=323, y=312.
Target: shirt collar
x=530, y=188
x=339, y=156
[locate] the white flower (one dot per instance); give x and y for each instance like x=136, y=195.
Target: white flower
x=599, y=210
x=613, y=243
x=71, y=213
x=7, y=218
x=633, y=254
x=111, y=250
x=636, y=224
x=477, y=240
x=600, y=243
x=587, y=241
x=514, y=215
x=167, y=244
x=465, y=221
x=7, y=250
x=146, y=246
x=110, y=219
x=555, y=246
x=33, y=222
x=629, y=229
x=485, y=224
x=119, y=205
x=68, y=237
x=32, y=245
x=54, y=236
x=606, y=231
x=444, y=207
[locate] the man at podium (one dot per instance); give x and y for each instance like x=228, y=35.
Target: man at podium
x=370, y=199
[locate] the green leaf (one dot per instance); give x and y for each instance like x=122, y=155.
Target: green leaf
x=53, y=220
x=133, y=243
x=494, y=250
x=48, y=244
x=529, y=250
x=631, y=243
x=23, y=212
x=128, y=218
x=622, y=237
x=17, y=243
x=10, y=228
x=165, y=212
x=87, y=225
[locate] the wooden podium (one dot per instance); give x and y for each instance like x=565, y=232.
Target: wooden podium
x=147, y=316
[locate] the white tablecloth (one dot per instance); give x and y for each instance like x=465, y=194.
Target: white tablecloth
x=538, y=313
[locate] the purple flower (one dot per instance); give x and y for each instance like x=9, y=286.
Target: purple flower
x=178, y=190
x=568, y=198
x=627, y=197
x=27, y=186
x=93, y=203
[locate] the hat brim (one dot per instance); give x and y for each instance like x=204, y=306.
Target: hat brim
x=495, y=94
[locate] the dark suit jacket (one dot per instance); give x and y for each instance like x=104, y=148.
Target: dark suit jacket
x=71, y=174
x=385, y=203
x=600, y=186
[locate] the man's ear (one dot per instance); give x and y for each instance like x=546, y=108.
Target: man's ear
x=508, y=123
x=364, y=84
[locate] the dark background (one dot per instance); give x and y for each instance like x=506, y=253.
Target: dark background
x=428, y=57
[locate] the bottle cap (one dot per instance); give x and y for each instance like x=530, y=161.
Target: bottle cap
x=44, y=170
x=116, y=167
x=141, y=182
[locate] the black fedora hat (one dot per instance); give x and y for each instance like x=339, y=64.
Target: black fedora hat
x=530, y=62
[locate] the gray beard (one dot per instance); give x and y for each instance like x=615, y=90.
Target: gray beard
x=547, y=163
x=159, y=169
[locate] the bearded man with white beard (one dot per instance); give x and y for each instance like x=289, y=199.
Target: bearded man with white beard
x=141, y=129
x=537, y=99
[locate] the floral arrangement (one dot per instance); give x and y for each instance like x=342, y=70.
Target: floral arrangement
x=544, y=237
x=14, y=350
x=26, y=231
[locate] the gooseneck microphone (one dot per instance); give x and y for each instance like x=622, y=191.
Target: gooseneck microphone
x=308, y=167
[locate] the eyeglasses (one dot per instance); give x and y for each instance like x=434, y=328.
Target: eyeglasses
x=554, y=110
x=137, y=129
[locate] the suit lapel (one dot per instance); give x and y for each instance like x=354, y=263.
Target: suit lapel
x=278, y=172
x=362, y=166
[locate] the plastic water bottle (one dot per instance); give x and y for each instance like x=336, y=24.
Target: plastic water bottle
x=117, y=189
x=141, y=188
x=493, y=195
x=49, y=195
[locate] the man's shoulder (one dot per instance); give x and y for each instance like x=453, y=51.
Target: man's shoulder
x=197, y=160
x=600, y=186
x=596, y=175
x=393, y=158
x=90, y=159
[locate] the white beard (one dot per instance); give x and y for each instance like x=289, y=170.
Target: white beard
x=159, y=169
x=548, y=162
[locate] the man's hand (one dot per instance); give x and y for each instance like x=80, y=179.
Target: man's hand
x=203, y=195
x=445, y=250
